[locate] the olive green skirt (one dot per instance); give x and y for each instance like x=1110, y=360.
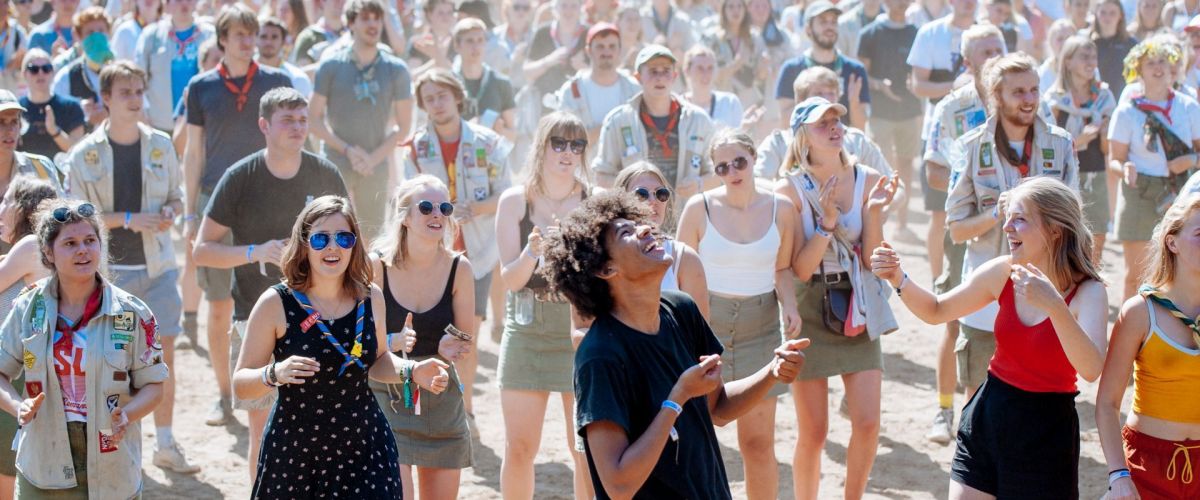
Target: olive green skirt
x=748, y=328
x=537, y=356
x=438, y=437
x=831, y=353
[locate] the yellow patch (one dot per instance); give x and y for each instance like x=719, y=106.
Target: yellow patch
x=156, y=154
x=92, y=157
x=30, y=360
x=124, y=322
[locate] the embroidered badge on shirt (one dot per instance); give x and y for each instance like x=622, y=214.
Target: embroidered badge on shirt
x=92, y=157
x=32, y=389
x=156, y=155
x=985, y=154
x=627, y=136
x=30, y=360
x=1047, y=154
x=124, y=322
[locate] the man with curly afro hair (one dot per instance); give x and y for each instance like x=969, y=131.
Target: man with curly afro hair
x=648, y=372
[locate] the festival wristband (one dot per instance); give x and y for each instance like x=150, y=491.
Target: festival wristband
x=128, y=219
x=673, y=406
x=249, y=250
x=900, y=287
x=1117, y=474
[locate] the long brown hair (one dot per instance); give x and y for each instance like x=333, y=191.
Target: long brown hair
x=356, y=282
x=556, y=124
x=1063, y=82
x=1160, y=266
x=1059, y=206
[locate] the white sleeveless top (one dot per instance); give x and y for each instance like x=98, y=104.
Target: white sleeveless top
x=739, y=269
x=851, y=223
x=670, y=280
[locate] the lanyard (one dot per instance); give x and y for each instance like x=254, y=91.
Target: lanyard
x=183, y=43
x=1154, y=294
x=243, y=94
x=661, y=137
x=1145, y=105
x=314, y=317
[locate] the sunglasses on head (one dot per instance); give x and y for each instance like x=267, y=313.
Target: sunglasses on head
x=344, y=239
x=740, y=163
x=64, y=214
x=426, y=207
x=661, y=194
x=40, y=68
x=559, y=144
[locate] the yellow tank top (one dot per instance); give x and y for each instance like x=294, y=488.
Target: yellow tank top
x=1166, y=378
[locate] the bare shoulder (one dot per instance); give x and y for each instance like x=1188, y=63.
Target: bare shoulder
x=1134, y=315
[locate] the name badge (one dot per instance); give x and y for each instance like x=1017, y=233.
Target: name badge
x=627, y=137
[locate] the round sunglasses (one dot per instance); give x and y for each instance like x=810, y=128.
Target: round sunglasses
x=426, y=207
x=661, y=194
x=740, y=163
x=559, y=144
x=64, y=214
x=344, y=239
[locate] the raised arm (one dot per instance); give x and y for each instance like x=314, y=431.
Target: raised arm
x=978, y=289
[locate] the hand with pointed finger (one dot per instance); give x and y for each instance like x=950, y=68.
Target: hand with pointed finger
x=29, y=409
x=431, y=375
x=295, y=369
x=1035, y=288
x=885, y=263
x=789, y=360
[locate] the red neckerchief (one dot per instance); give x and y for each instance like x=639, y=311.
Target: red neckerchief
x=243, y=94
x=89, y=311
x=1026, y=152
x=1006, y=152
x=184, y=43
x=1141, y=103
x=661, y=137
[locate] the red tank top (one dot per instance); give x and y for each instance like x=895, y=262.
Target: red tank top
x=1029, y=357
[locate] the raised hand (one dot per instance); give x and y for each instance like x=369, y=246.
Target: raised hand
x=1032, y=285
x=883, y=193
x=700, y=379
x=828, y=201
x=431, y=375
x=789, y=360
x=885, y=263
x=534, y=244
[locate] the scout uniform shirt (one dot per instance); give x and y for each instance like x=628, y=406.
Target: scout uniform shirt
x=91, y=166
x=40, y=167
x=481, y=171
x=977, y=182
x=956, y=114
x=123, y=355
x=623, y=141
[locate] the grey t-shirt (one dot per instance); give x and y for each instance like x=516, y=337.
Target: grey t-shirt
x=360, y=99
x=256, y=206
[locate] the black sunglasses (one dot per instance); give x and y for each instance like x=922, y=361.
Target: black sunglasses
x=64, y=214
x=22, y=2
x=740, y=163
x=558, y=144
x=40, y=68
x=661, y=194
x=344, y=239
x=426, y=207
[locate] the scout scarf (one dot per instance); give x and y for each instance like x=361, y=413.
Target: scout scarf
x=1159, y=298
x=314, y=318
x=661, y=136
x=1006, y=151
x=243, y=94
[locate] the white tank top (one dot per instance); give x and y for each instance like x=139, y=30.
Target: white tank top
x=850, y=222
x=671, y=279
x=739, y=269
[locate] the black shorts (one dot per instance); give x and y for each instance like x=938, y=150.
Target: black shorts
x=1018, y=444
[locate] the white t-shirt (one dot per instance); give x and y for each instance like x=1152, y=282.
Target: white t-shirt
x=125, y=38
x=936, y=47
x=918, y=16
x=1126, y=127
x=600, y=99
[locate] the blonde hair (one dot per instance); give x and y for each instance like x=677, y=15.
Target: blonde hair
x=732, y=137
x=976, y=34
x=637, y=169
x=1059, y=206
x=796, y=160
x=694, y=52
x=1156, y=46
x=392, y=245
x=297, y=273
x=1070, y=47
x=811, y=77
x=1161, y=264
x=556, y=124
x=996, y=69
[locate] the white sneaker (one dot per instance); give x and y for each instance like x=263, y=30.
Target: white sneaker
x=172, y=458
x=942, y=432
x=219, y=414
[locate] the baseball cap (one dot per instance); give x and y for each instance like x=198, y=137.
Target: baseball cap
x=811, y=110
x=601, y=28
x=650, y=52
x=8, y=101
x=1193, y=25
x=820, y=7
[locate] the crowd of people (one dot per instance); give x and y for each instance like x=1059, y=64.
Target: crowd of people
x=669, y=212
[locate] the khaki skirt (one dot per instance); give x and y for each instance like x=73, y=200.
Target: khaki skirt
x=748, y=328
x=537, y=356
x=438, y=437
x=1140, y=207
x=831, y=353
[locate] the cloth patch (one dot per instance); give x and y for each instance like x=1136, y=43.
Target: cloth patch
x=124, y=322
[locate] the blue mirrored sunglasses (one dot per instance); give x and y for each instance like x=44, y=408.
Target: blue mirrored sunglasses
x=344, y=239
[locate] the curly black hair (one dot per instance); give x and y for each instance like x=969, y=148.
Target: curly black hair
x=576, y=254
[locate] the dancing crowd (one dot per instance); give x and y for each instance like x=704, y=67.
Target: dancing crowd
x=669, y=212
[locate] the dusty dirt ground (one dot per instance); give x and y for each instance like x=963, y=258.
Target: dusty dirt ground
x=907, y=466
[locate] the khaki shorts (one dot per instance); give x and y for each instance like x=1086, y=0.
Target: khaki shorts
x=973, y=350
x=1093, y=192
x=900, y=137
x=216, y=283
x=237, y=335
x=1140, y=207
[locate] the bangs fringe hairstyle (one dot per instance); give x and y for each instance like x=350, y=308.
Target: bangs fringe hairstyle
x=625, y=178
x=1059, y=206
x=576, y=255
x=559, y=124
x=1070, y=47
x=392, y=246
x=47, y=228
x=1160, y=267
x=356, y=282
x=28, y=192
x=727, y=31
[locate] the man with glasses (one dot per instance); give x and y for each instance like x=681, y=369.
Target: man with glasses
x=359, y=91
x=473, y=162
x=251, y=214
x=658, y=127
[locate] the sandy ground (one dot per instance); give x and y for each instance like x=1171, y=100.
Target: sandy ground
x=907, y=466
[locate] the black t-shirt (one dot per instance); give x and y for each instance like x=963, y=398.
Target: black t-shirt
x=623, y=376
x=887, y=48
x=125, y=246
x=496, y=94
x=543, y=45
x=68, y=115
x=229, y=134
x=1111, y=54
x=257, y=207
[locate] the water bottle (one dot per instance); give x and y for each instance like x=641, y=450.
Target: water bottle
x=523, y=305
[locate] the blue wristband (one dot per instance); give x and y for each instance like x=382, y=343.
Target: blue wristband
x=673, y=406
x=249, y=250
x=128, y=219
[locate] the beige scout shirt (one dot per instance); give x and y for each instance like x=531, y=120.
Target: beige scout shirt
x=124, y=355
x=958, y=113
x=90, y=164
x=481, y=172
x=623, y=141
x=39, y=166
